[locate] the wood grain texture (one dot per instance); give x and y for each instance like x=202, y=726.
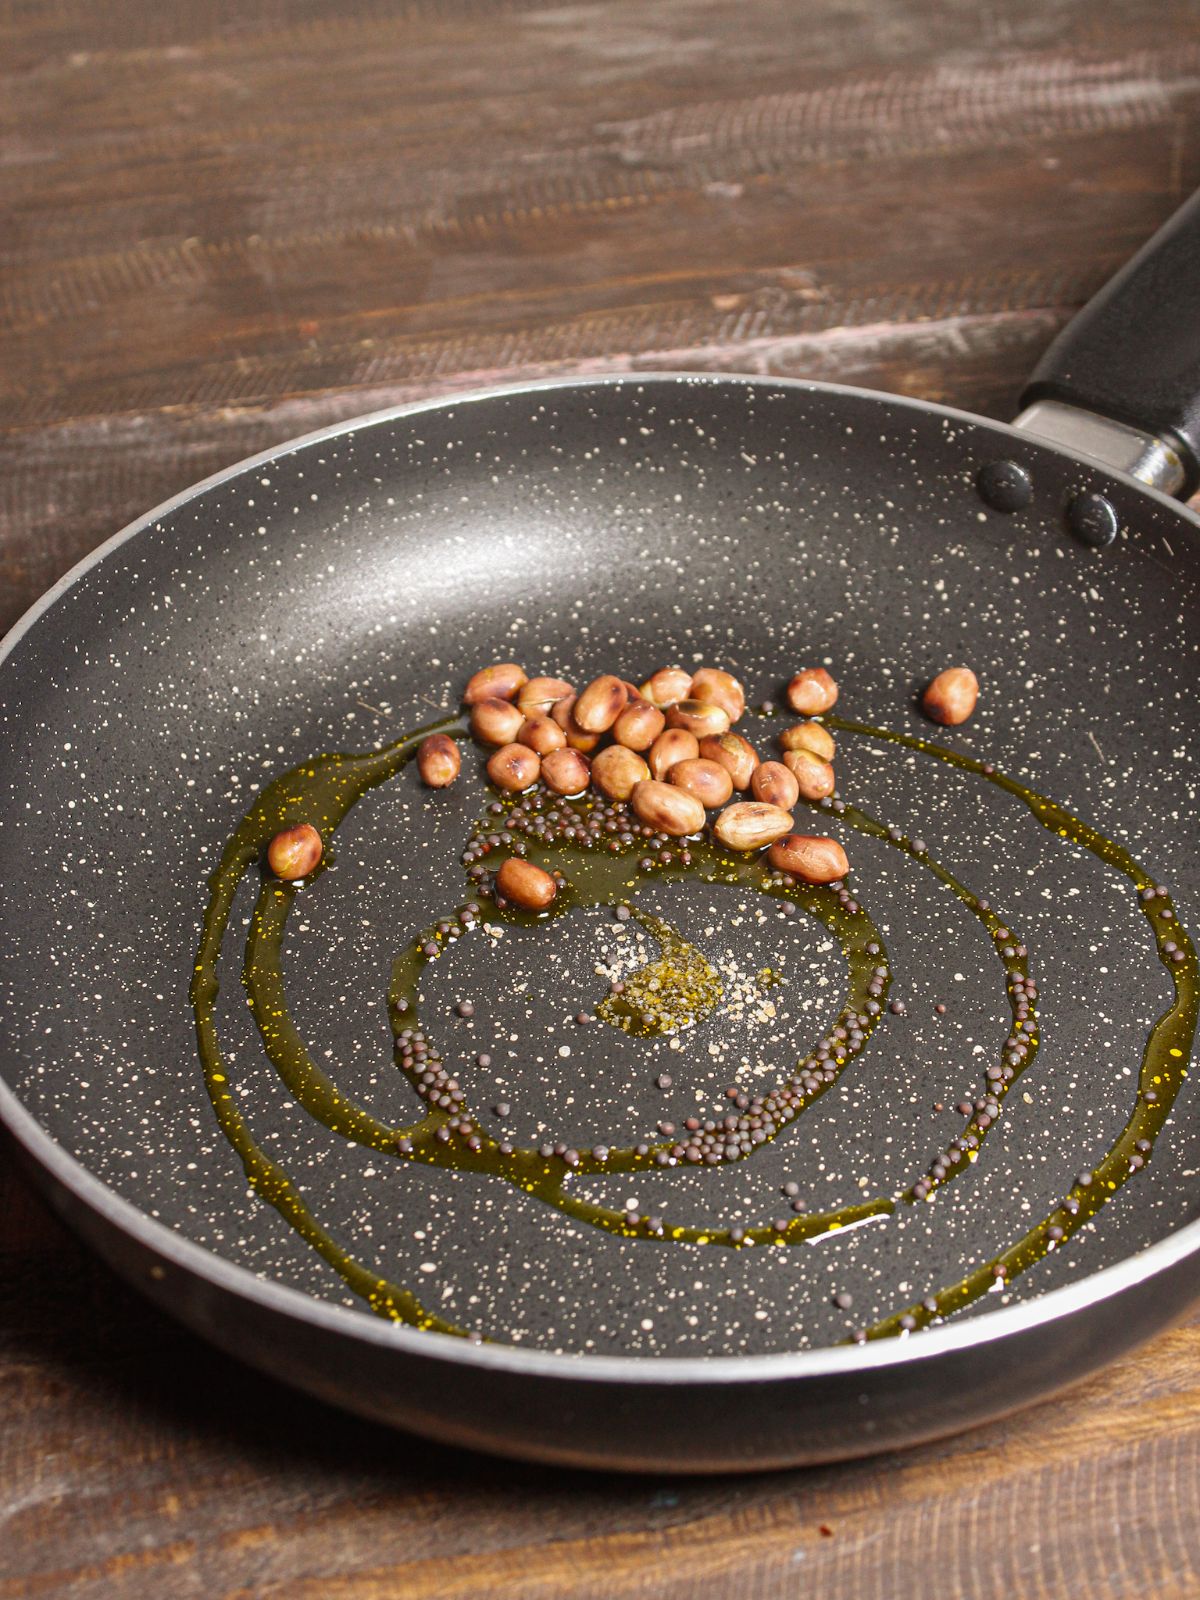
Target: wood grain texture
x=225, y=223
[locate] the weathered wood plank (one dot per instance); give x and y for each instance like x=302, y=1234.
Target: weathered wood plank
x=137, y=1461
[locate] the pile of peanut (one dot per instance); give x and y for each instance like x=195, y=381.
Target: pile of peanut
x=667, y=748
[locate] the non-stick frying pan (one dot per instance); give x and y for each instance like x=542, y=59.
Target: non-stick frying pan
x=978, y=1187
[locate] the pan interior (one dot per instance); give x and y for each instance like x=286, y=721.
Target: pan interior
x=340, y=595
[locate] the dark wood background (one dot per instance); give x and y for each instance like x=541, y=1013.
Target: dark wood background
x=226, y=222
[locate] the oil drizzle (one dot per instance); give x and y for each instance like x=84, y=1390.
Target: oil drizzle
x=451, y=1137
x=320, y=792
x=1164, y=1059
x=323, y=790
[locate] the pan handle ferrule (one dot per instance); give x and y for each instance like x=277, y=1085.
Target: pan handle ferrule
x=1111, y=444
x=1128, y=364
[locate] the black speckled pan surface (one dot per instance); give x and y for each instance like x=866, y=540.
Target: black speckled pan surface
x=337, y=594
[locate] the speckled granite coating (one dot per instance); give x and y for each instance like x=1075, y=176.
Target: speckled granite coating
x=344, y=592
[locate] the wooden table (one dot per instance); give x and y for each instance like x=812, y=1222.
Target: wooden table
x=224, y=223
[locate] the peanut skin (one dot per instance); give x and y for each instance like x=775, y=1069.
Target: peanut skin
x=616, y=770
x=666, y=686
x=811, y=692
x=525, y=885
x=737, y=755
x=809, y=736
x=542, y=734
x=438, y=761
x=601, y=703
x=707, y=780
x=514, y=767
x=495, y=721
x=811, y=857
x=499, y=682
x=814, y=777
x=537, y=696
x=668, y=809
x=578, y=738
x=773, y=783
x=561, y=710
x=711, y=686
x=698, y=717
x=295, y=852
x=639, y=725
x=951, y=697
x=566, y=771
x=749, y=824
x=676, y=744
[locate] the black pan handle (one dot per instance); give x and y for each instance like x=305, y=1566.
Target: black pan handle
x=1132, y=355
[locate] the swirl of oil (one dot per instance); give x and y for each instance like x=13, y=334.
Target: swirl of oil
x=1164, y=1059
x=450, y=1136
x=733, y=1137
x=322, y=792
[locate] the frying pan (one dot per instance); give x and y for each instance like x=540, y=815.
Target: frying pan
x=334, y=594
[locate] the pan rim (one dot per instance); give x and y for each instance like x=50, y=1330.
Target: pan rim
x=850, y=1360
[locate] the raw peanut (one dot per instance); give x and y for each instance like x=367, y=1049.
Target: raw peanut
x=707, y=780
x=514, y=767
x=438, y=760
x=773, y=783
x=700, y=717
x=561, y=710
x=295, y=852
x=811, y=857
x=541, y=734
x=578, y=739
x=811, y=692
x=668, y=809
x=814, y=777
x=809, y=736
x=525, y=885
x=674, y=745
x=495, y=721
x=566, y=771
x=749, y=824
x=950, y=698
x=639, y=725
x=737, y=755
x=718, y=688
x=666, y=686
x=616, y=770
x=539, y=694
x=600, y=704
x=500, y=682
